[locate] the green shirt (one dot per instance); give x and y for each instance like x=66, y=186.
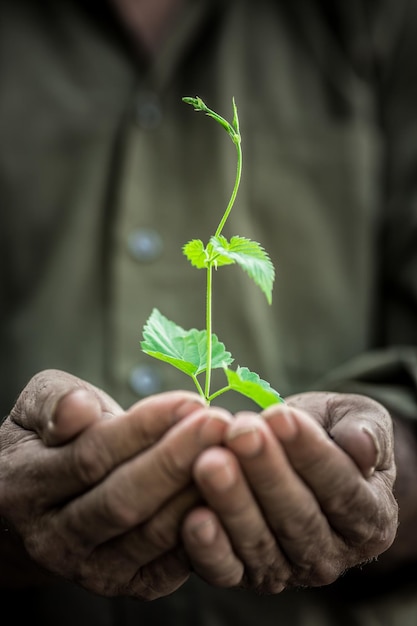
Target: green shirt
x=105, y=174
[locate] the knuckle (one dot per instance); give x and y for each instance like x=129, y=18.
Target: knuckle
x=33, y=395
x=158, y=578
x=375, y=536
x=373, y=519
x=96, y=581
x=319, y=559
x=269, y=569
x=268, y=579
x=318, y=568
x=324, y=572
x=144, y=589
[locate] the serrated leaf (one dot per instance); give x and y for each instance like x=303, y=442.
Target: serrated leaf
x=217, y=258
x=184, y=349
x=252, y=386
x=199, y=256
x=252, y=258
x=196, y=253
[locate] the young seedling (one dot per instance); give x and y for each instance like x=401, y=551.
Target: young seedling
x=197, y=352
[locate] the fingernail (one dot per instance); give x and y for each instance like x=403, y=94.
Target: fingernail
x=63, y=408
x=212, y=431
x=190, y=405
x=54, y=415
x=375, y=443
x=370, y=472
x=282, y=421
x=247, y=441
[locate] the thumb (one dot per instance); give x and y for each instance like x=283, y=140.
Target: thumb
x=58, y=406
x=365, y=433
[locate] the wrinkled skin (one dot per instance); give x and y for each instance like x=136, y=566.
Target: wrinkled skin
x=97, y=500
x=291, y=497
x=297, y=497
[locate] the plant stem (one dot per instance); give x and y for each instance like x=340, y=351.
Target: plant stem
x=232, y=130
x=235, y=188
x=219, y=392
x=209, y=327
x=199, y=388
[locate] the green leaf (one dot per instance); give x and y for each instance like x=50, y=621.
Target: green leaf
x=200, y=257
x=196, y=253
x=250, y=385
x=184, y=349
x=218, y=259
x=251, y=256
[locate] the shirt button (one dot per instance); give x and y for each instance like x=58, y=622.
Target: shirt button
x=145, y=245
x=148, y=111
x=145, y=380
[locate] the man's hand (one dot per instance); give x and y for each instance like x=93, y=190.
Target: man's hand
x=96, y=494
x=297, y=497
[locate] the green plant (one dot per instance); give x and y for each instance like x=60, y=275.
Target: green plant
x=197, y=352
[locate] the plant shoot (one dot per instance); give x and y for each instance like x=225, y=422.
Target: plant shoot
x=198, y=352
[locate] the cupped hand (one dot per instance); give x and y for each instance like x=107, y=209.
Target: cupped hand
x=295, y=498
x=95, y=493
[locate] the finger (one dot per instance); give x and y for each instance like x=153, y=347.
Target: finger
x=359, y=425
x=65, y=472
x=361, y=445
x=356, y=508
x=74, y=529
x=135, y=490
x=150, y=540
x=153, y=416
x=159, y=578
x=209, y=549
x=117, y=577
x=289, y=505
x=74, y=412
x=220, y=479
x=109, y=444
x=365, y=433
